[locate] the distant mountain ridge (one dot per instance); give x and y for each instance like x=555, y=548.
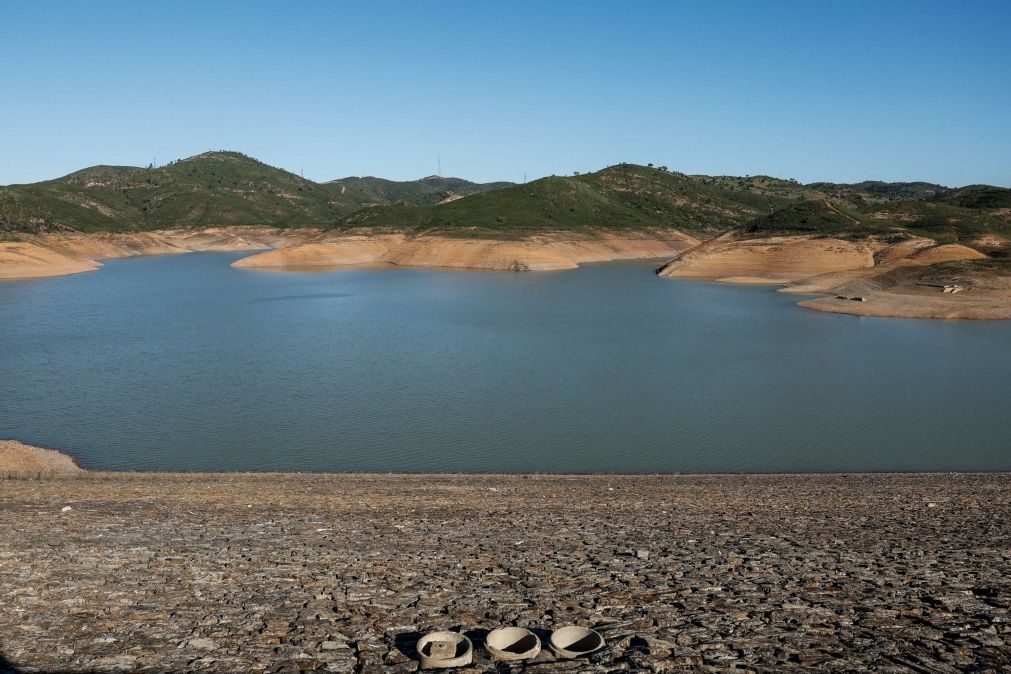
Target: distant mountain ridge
x=229, y=188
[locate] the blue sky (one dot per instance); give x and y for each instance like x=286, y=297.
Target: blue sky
x=826, y=90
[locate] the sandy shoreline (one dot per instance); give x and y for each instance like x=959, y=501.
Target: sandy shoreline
x=342, y=573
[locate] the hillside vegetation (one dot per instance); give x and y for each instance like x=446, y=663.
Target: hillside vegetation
x=229, y=188
x=353, y=193
x=636, y=197
x=210, y=189
x=620, y=197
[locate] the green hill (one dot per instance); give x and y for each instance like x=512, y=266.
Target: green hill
x=210, y=189
x=636, y=197
x=214, y=188
x=229, y=188
x=815, y=217
x=619, y=197
x=977, y=196
x=943, y=221
x=875, y=191
x=353, y=193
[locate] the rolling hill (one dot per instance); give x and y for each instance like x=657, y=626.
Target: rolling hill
x=630, y=197
x=352, y=193
x=210, y=189
x=229, y=188
x=625, y=196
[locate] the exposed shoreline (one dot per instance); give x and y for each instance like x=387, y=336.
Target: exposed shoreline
x=543, y=252
x=58, y=254
x=337, y=572
x=913, y=278
x=19, y=460
x=907, y=279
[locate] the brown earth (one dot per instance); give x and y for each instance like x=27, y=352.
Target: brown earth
x=343, y=573
x=893, y=279
x=945, y=253
x=769, y=260
x=37, y=256
x=918, y=291
x=23, y=259
x=538, y=253
x=21, y=460
x=869, y=278
x=58, y=254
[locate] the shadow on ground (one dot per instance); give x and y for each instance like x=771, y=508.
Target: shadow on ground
x=6, y=667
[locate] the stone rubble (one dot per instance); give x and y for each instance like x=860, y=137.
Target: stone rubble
x=343, y=573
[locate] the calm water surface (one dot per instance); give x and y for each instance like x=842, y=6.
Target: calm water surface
x=183, y=363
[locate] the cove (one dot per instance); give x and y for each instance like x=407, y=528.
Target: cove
x=185, y=363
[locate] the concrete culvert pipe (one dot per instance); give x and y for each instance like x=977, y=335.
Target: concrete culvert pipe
x=442, y=650
x=573, y=641
x=512, y=643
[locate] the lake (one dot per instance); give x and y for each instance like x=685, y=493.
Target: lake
x=184, y=363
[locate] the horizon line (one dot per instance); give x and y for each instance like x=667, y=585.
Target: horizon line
x=153, y=165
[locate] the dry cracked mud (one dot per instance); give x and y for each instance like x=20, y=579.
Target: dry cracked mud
x=342, y=573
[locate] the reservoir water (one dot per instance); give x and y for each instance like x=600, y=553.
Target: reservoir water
x=184, y=363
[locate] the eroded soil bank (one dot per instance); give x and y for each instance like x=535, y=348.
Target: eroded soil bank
x=239, y=572
x=912, y=278
x=536, y=253
x=18, y=460
x=59, y=254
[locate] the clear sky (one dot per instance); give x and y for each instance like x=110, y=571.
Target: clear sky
x=815, y=90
